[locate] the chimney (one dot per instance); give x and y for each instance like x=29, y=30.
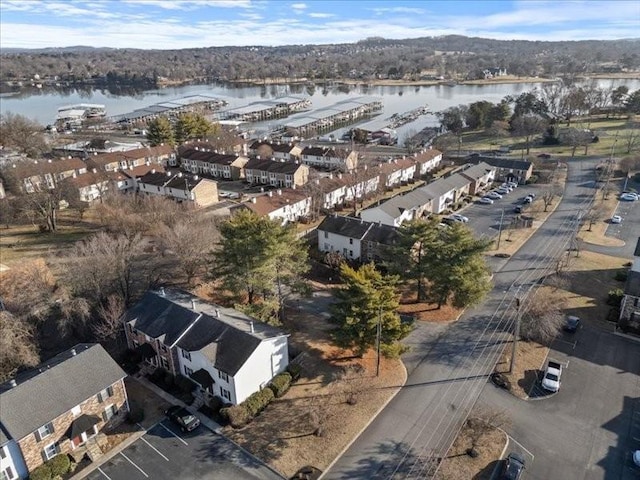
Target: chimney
x=331, y=176
x=251, y=326
x=340, y=176
x=13, y=383
x=94, y=170
x=217, y=313
x=73, y=352
x=261, y=189
x=168, y=174
x=179, y=174
x=162, y=291
x=49, y=161
x=279, y=191
x=317, y=181
x=270, y=193
x=193, y=304
x=253, y=200
x=153, y=170
x=195, y=177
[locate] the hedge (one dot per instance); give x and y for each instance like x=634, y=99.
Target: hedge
x=237, y=415
x=185, y=384
x=295, y=370
x=43, y=472
x=258, y=401
x=60, y=464
x=280, y=384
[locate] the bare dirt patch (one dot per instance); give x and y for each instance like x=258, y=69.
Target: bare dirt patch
x=426, y=312
x=529, y=358
x=335, y=398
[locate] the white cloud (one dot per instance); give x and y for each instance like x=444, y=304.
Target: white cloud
x=321, y=15
x=409, y=10
x=190, y=4
x=299, y=6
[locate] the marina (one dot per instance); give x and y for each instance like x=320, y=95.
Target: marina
x=266, y=109
x=199, y=103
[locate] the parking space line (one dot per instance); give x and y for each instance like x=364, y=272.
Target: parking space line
x=106, y=476
x=177, y=436
x=522, y=447
x=156, y=450
x=131, y=462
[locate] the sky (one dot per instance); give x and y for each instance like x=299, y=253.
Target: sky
x=175, y=24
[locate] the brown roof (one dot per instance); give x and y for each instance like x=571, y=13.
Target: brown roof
x=325, y=152
x=87, y=179
x=265, y=204
x=106, y=158
x=396, y=164
x=208, y=156
x=426, y=155
x=276, y=147
x=272, y=166
x=30, y=168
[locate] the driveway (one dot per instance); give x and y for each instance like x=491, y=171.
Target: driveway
x=166, y=453
x=590, y=427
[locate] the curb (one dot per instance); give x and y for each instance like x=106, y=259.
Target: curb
x=369, y=422
x=506, y=445
x=626, y=335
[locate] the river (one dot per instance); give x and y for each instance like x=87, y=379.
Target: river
x=43, y=105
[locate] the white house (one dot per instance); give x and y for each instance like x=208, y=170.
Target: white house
x=397, y=171
x=227, y=353
x=329, y=158
x=446, y=191
x=481, y=175
x=180, y=187
x=343, y=235
x=427, y=160
x=400, y=208
x=288, y=205
x=276, y=150
x=360, y=184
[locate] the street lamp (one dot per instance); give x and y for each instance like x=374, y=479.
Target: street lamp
x=516, y=335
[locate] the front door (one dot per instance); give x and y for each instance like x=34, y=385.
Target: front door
x=76, y=441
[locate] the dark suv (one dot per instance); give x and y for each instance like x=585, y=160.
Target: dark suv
x=183, y=418
x=513, y=467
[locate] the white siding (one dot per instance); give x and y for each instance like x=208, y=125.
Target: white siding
x=13, y=459
x=269, y=359
x=198, y=361
x=348, y=247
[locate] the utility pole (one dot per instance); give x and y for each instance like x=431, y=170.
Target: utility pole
x=378, y=335
x=500, y=229
x=516, y=335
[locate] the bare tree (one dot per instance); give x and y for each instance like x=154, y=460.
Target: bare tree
x=18, y=347
x=481, y=422
x=576, y=137
x=27, y=290
x=528, y=126
x=541, y=317
x=630, y=137
x=109, y=318
x=23, y=134
x=595, y=215
x=549, y=194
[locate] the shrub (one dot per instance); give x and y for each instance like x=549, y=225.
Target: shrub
x=185, y=384
x=532, y=179
x=43, y=472
x=280, y=384
x=258, y=401
x=169, y=380
x=615, y=297
x=158, y=375
x=621, y=275
x=60, y=464
x=136, y=413
x=295, y=370
x=237, y=415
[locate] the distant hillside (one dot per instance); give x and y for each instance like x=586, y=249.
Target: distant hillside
x=450, y=56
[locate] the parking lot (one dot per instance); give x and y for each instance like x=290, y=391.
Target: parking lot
x=164, y=452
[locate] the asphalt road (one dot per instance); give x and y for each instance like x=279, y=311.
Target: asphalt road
x=447, y=375
x=164, y=452
x=590, y=427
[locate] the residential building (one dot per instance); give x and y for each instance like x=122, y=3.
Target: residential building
x=217, y=165
x=37, y=175
x=361, y=183
x=355, y=238
x=427, y=160
x=91, y=186
x=333, y=191
x=630, y=305
x=397, y=171
x=288, y=152
x=179, y=186
x=481, y=176
x=228, y=354
x=330, y=158
x=126, y=180
x=113, y=161
x=447, y=191
x=288, y=205
x=277, y=174
x=508, y=169
x=400, y=208
x=58, y=407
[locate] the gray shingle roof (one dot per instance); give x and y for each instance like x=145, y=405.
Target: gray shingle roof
x=444, y=185
x=502, y=162
x=382, y=234
x=54, y=387
x=346, y=226
x=477, y=171
x=272, y=166
x=223, y=334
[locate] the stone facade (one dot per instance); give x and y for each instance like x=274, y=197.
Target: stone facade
x=165, y=357
x=33, y=447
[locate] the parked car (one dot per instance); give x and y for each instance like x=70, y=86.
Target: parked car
x=502, y=191
x=551, y=380
x=494, y=195
x=616, y=219
x=629, y=196
x=183, y=418
x=513, y=184
x=518, y=209
x=485, y=200
x=459, y=218
x=506, y=186
x=513, y=467
x=571, y=324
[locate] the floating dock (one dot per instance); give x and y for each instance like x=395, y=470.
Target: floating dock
x=266, y=109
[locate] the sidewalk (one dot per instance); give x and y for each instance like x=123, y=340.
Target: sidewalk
x=209, y=423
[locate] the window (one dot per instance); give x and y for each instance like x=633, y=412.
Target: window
x=187, y=371
x=104, y=394
x=164, y=363
x=7, y=473
x=186, y=355
x=225, y=393
x=326, y=246
x=45, y=431
x=326, y=234
x=351, y=241
x=75, y=411
x=223, y=376
x=50, y=451
x=163, y=347
x=109, y=412
x=3, y=454
x=351, y=253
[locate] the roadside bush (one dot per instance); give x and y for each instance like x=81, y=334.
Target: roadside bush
x=615, y=297
x=237, y=415
x=136, y=413
x=532, y=179
x=280, y=384
x=185, y=384
x=43, y=472
x=621, y=276
x=258, y=401
x=295, y=370
x=60, y=464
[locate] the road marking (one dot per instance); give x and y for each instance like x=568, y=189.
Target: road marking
x=177, y=436
x=522, y=447
x=156, y=450
x=131, y=462
x=106, y=476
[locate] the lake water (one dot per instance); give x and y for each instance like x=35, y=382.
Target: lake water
x=43, y=105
